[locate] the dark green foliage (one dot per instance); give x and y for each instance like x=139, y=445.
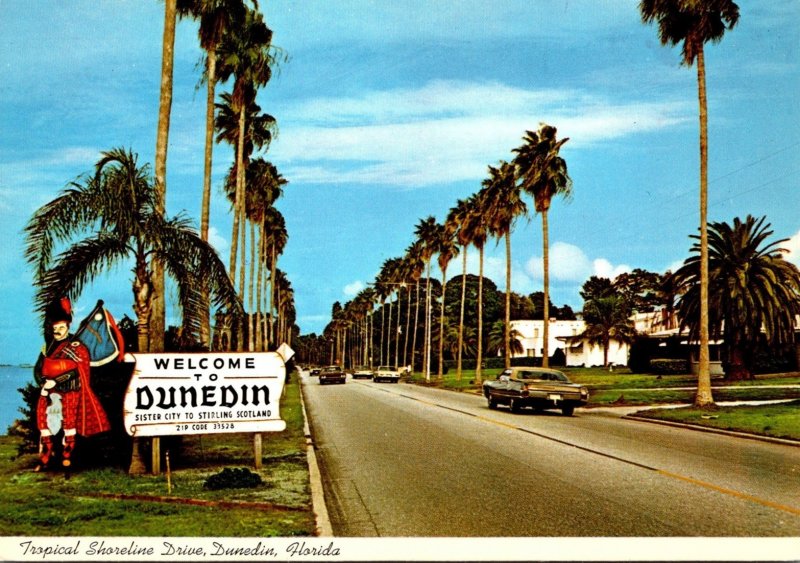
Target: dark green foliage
x=228, y=478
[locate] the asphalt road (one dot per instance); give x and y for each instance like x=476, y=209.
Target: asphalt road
x=402, y=460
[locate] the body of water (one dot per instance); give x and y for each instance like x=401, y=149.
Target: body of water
x=11, y=379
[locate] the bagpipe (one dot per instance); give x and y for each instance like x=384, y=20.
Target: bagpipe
x=101, y=336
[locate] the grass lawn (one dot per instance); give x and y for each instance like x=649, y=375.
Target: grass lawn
x=108, y=502
x=779, y=421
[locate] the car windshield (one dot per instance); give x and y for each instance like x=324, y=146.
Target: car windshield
x=331, y=368
x=544, y=375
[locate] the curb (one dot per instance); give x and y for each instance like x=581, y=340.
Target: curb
x=324, y=527
x=709, y=430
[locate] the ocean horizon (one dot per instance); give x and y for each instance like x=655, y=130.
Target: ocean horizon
x=12, y=377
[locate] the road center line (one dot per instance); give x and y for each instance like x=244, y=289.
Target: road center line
x=676, y=476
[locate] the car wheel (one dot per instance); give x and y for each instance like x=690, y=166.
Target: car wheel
x=513, y=404
x=568, y=410
x=492, y=403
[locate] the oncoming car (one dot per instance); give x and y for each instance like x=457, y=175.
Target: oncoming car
x=332, y=374
x=539, y=388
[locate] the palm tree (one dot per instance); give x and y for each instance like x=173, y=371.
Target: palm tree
x=505, y=200
x=415, y=256
x=122, y=196
x=276, y=239
x=753, y=291
x=499, y=336
x=477, y=231
x=245, y=55
x=216, y=18
x=447, y=249
x=607, y=318
x=427, y=232
x=694, y=24
x=459, y=216
x=543, y=175
x=162, y=135
x=258, y=133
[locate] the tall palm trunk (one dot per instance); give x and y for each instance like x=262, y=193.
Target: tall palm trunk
x=440, y=371
x=237, y=214
x=427, y=344
x=205, y=209
x=251, y=343
x=546, y=283
x=397, y=332
x=273, y=295
x=416, y=329
x=408, y=326
x=704, y=397
x=383, y=331
x=507, y=336
x=388, y=336
x=479, y=356
x=461, y=316
x=158, y=311
x=260, y=285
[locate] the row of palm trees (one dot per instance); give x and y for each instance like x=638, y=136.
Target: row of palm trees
x=538, y=170
x=131, y=203
x=691, y=24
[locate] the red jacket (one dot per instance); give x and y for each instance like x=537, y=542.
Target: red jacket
x=74, y=356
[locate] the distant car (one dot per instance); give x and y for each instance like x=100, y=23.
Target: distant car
x=315, y=371
x=539, y=388
x=386, y=373
x=332, y=374
x=362, y=371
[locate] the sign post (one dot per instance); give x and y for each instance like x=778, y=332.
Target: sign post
x=204, y=393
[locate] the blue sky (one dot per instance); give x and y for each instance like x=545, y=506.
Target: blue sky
x=391, y=111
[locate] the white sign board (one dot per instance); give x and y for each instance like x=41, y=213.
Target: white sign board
x=204, y=393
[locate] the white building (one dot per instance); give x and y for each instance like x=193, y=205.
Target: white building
x=565, y=336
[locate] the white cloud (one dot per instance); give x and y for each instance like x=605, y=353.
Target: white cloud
x=352, y=289
x=219, y=242
x=605, y=269
x=567, y=263
x=446, y=131
x=793, y=246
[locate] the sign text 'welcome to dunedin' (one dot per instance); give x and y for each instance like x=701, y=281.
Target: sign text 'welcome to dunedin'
x=181, y=393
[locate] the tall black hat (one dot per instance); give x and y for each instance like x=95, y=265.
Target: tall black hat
x=59, y=310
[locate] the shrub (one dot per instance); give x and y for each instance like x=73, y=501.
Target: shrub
x=228, y=478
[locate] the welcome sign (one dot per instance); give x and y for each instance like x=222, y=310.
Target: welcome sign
x=205, y=393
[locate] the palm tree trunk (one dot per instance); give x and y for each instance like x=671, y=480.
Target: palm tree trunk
x=383, y=331
x=273, y=288
x=389, y=335
x=397, y=332
x=259, y=286
x=205, y=209
x=546, y=283
x=439, y=373
x=408, y=326
x=416, y=329
x=242, y=254
x=427, y=343
x=251, y=343
x=507, y=336
x=479, y=357
x=704, y=397
x=461, y=317
x=158, y=311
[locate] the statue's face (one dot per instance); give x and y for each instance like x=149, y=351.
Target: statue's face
x=60, y=330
